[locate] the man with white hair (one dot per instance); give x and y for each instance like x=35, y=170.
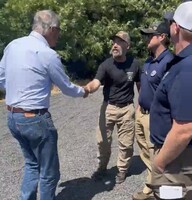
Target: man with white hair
x=28, y=69
x=171, y=112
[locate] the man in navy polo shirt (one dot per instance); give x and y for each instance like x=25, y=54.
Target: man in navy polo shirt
x=157, y=39
x=171, y=111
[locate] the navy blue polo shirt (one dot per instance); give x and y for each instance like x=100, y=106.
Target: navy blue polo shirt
x=152, y=73
x=173, y=97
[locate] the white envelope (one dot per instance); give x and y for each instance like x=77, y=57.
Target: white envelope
x=170, y=192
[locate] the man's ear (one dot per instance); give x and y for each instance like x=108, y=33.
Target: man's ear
x=51, y=29
x=177, y=28
x=163, y=36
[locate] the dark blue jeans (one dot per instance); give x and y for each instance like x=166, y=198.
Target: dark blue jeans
x=37, y=137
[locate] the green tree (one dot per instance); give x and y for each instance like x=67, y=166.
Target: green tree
x=3, y=29
x=87, y=25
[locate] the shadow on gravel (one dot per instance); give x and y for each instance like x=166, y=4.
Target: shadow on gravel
x=137, y=166
x=86, y=188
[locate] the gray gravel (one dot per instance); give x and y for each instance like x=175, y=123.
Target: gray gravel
x=76, y=120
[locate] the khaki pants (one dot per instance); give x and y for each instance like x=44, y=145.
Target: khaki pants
x=178, y=172
x=142, y=135
x=123, y=118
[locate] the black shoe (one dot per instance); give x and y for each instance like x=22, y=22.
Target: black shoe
x=120, y=178
x=99, y=174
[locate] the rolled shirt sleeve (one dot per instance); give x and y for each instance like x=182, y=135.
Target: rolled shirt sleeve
x=101, y=72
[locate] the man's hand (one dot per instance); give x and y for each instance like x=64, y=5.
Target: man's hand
x=176, y=141
x=86, y=91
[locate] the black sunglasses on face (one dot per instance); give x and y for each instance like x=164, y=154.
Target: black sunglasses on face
x=56, y=28
x=147, y=36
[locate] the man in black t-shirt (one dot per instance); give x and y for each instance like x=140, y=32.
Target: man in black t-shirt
x=118, y=74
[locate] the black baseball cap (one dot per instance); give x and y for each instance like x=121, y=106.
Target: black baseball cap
x=156, y=28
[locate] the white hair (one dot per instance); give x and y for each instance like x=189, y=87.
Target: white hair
x=43, y=20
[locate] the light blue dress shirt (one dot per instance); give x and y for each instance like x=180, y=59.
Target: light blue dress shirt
x=28, y=69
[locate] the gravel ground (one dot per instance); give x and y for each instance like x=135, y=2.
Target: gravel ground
x=76, y=120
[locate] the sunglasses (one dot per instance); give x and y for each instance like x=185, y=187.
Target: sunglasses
x=149, y=36
x=56, y=28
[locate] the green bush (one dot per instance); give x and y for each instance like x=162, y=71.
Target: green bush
x=86, y=26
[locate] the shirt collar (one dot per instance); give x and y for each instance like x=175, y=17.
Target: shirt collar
x=160, y=57
x=187, y=51
x=39, y=37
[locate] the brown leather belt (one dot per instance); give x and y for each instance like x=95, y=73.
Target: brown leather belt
x=21, y=110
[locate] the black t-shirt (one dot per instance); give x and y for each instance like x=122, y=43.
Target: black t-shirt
x=118, y=79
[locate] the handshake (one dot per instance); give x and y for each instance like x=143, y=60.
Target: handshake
x=87, y=91
x=91, y=87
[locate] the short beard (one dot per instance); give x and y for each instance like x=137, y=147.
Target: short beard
x=119, y=53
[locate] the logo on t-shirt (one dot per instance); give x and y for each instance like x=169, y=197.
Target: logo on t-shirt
x=130, y=76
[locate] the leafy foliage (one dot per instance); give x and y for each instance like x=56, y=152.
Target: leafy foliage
x=87, y=25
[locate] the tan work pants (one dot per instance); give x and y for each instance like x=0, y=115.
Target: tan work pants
x=178, y=172
x=142, y=135
x=123, y=118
